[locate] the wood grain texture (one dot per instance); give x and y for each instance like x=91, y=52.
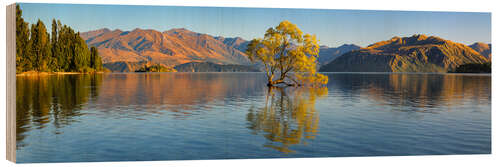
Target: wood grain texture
x=11, y=82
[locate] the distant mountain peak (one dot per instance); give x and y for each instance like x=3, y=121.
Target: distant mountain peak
x=103, y=30
x=349, y=46
x=394, y=38
x=94, y=33
x=142, y=30
x=417, y=39
x=481, y=44
x=327, y=54
x=234, y=40
x=117, y=30
x=145, y=31
x=483, y=49
x=414, y=37
x=341, y=46
x=181, y=31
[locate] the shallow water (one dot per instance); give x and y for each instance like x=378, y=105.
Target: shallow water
x=186, y=116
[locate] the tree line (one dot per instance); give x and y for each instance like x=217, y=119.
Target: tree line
x=61, y=51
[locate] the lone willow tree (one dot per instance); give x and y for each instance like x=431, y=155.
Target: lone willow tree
x=288, y=57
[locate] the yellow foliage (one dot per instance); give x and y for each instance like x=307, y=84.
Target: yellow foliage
x=284, y=50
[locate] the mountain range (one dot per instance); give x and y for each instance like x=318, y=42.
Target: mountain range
x=169, y=48
x=128, y=50
x=418, y=53
x=179, y=46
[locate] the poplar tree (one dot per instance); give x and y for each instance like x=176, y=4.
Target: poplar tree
x=40, y=46
x=23, y=62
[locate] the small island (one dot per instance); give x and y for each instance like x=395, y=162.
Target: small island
x=155, y=68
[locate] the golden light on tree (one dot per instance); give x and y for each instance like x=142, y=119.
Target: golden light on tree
x=288, y=56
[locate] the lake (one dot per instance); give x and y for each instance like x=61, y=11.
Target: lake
x=190, y=116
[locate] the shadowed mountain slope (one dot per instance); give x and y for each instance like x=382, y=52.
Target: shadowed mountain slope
x=483, y=49
x=122, y=66
x=327, y=54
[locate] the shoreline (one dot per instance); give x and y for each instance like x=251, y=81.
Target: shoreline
x=36, y=73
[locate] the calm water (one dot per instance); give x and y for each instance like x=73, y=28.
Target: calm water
x=184, y=116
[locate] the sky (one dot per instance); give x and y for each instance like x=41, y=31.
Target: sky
x=332, y=27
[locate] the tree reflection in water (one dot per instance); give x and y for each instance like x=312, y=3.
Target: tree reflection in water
x=56, y=99
x=289, y=116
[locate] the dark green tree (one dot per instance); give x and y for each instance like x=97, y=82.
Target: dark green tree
x=22, y=43
x=54, y=61
x=40, y=46
x=66, y=52
x=82, y=54
x=95, y=59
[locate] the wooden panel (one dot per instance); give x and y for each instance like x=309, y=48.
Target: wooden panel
x=11, y=82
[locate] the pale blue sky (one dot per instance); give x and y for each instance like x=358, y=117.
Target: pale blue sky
x=333, y=27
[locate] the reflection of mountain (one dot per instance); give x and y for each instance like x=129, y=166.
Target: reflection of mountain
x=417, y=53
x=51, y=99
x=288, y=117
x=212, y=67
x=417, y=90
x=152, y=92
x=58, y=99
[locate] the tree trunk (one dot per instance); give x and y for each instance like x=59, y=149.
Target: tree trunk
x=271, y=83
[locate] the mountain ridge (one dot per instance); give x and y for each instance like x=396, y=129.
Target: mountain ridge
x=328, y=54
x=418, y=53
x=180, y=46
x=170, y=48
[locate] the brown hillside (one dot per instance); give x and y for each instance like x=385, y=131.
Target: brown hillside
x=170, y=48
